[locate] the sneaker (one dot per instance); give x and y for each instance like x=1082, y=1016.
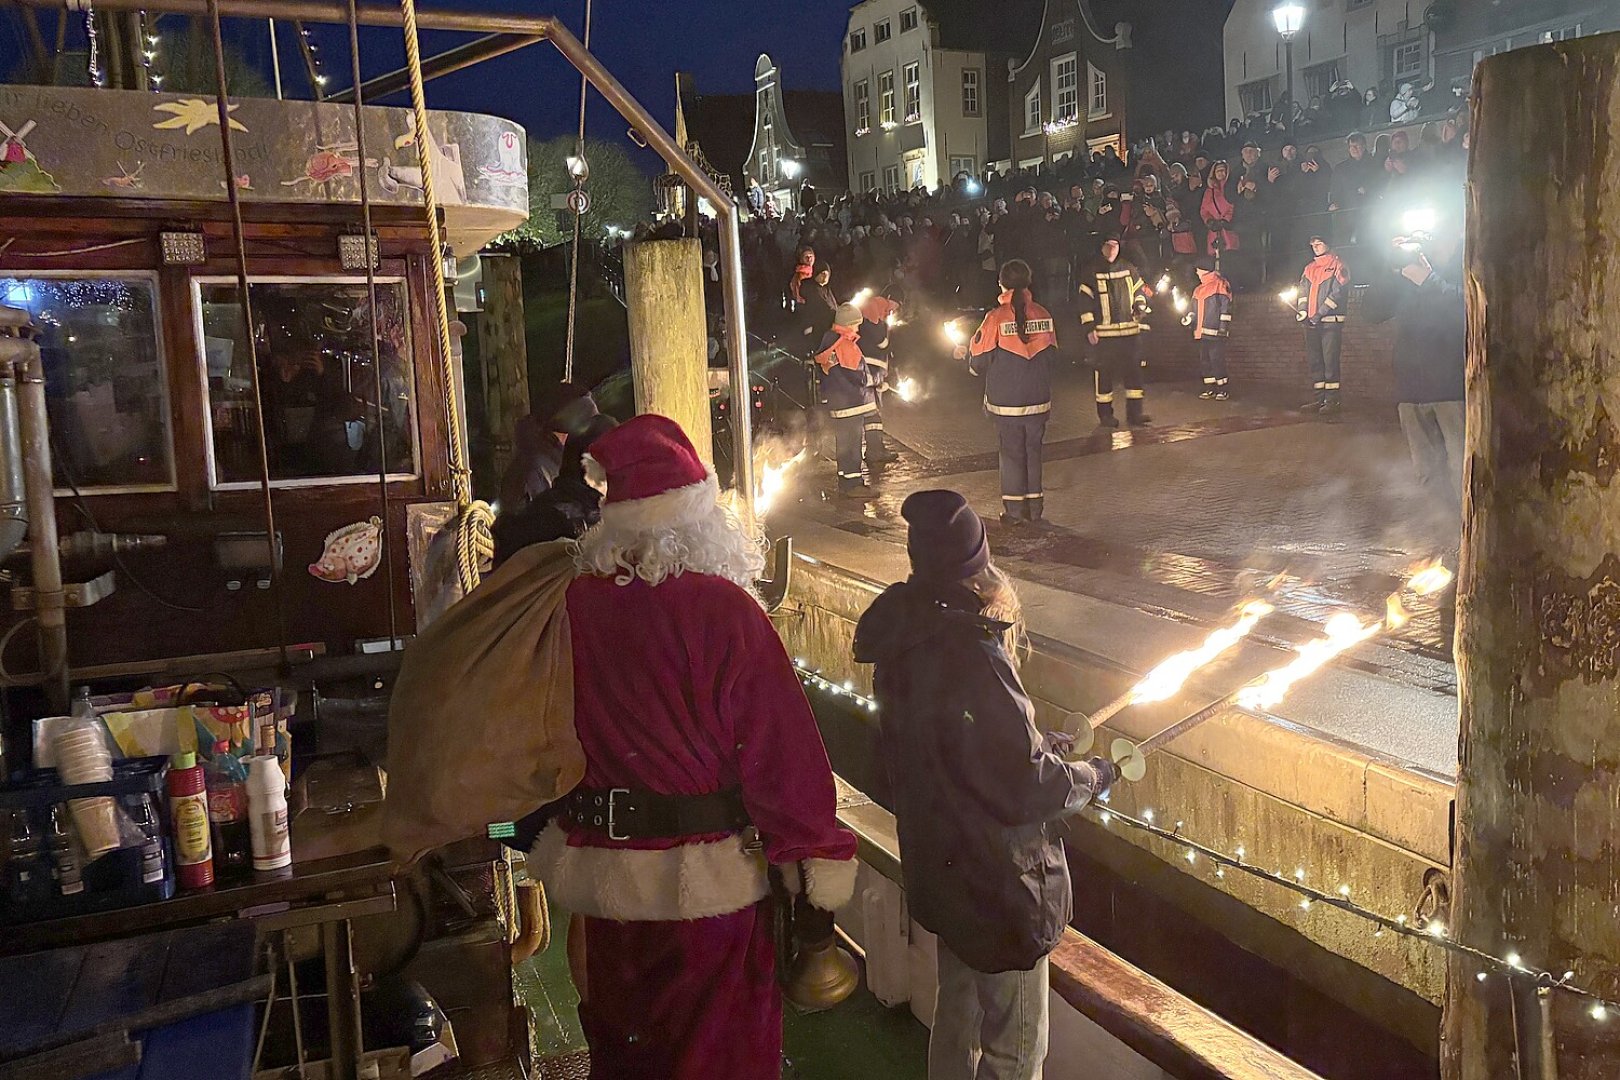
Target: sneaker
x=1222, y=395
x=1011, y=519
x=1108, y=421
x=1331, y=411
x=1313, y=406
x=1208, y=394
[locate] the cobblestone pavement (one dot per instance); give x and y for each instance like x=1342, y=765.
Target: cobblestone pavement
x=1210, y=504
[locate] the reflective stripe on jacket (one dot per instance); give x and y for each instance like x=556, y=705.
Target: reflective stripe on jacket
x=1018, y=373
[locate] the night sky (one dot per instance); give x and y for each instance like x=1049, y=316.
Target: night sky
x=642, y=41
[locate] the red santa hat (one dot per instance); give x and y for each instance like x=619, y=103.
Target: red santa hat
x=654, y=476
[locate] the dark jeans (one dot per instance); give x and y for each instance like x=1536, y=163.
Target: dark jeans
x=1212, y=357
x=1020, y=438
x=1116, y=361
x=1323, y=344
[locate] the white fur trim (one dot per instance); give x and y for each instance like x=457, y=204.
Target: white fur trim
x=831, y=882
x=692, y=881
x=664, y=509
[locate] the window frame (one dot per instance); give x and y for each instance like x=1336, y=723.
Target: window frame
x=897, y=173
x=963, y=163
x=868, y=181
x=1395, y=51
x=857, y=41
x=210, y=465
x=886, y=99
x=908, y=20
x=1246, y=90
x=882, y=31
x=1096, y=79
x=153, y=278
x=911, y=77
x=862, y=94
x=1032, y=106
x=1069, y=62
x=975, y=89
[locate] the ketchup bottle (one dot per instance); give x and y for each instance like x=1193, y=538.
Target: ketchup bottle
x=188, y=811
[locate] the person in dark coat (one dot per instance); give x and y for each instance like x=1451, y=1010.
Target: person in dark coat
x=538, y=441
x=979, y=794
x=563, y=511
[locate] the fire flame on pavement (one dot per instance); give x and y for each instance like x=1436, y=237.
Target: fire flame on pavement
x=1167, y=678
x=772, y=479
x=1343, y=631
x=906, y=389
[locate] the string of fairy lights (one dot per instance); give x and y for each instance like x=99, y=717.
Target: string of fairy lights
x=1431, y=931
x=146, y=26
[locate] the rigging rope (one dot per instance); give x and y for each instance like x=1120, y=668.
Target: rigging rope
x=474, y=545
x=373, y=252
x=579, y=176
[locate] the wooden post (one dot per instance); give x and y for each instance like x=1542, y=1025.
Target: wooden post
x=503, y=348
x=669, y=336
x=1537, y=867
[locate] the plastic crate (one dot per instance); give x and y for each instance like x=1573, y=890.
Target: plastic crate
x=28, y=888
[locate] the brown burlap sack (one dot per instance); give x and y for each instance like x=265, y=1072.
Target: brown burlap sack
x=481, y=723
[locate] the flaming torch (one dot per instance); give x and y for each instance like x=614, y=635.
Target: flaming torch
x=1172, y=673
x=906, y=388
x=772, y=479
x=1289, y=296
x=861, y=296
x=1342, y=632
x=952, y=329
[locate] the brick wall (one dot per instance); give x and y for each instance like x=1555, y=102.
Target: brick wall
x=1267, y=350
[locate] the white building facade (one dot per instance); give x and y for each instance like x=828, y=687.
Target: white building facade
x=1373, y=43
x=915, y=114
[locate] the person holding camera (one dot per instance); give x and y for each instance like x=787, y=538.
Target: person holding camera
x=1429, y=359
x=979, y=794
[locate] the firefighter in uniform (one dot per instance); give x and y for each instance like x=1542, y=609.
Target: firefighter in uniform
x=1013, y=350
x=878, y=315
x=848, y=390
x=1211, y=322
x=1113, y=299
x=1323, y=296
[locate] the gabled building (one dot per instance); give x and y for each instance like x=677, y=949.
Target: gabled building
x=714, y=129
x=925, y=89
x=798, y=142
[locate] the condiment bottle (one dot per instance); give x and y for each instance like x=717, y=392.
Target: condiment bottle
x=228, y=808
x=267, y=810
x=188, y=811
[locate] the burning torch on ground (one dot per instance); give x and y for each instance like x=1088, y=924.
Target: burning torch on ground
x=772, y=479
x=1342, y=632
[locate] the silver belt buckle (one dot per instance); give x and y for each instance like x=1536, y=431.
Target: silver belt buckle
x=612, y=813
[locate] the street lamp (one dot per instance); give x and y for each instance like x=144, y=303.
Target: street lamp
x=1290, y=19
x=790, y=168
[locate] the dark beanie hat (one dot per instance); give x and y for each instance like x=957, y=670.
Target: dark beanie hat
x=946, y=540
x=1205, y=262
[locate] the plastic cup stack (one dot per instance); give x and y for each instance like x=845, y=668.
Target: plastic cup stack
x=82, y=757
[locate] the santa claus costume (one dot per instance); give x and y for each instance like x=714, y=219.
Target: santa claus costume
x=703, y=764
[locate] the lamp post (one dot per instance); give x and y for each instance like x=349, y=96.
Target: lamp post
x=1290, y=18
x=791, y=169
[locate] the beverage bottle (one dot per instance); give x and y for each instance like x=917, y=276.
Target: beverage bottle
x=24, y=874
x=144, y=811
x=65, y=857
x=267, y=809
x=188, y=811
x=228, y=809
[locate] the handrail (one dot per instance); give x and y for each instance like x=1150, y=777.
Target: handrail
x=551, y=29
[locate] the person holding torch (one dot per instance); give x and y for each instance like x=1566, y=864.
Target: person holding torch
x=1320, y=301
x=1211, y=320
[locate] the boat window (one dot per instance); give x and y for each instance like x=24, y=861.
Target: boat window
x=316, y=379
x=105, y=390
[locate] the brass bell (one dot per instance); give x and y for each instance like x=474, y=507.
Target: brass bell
x=823, y=975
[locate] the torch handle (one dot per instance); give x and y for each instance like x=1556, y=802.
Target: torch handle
x=1181, y=727
x=1109, y=711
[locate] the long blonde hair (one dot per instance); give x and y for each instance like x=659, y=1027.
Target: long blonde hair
x=995, y=591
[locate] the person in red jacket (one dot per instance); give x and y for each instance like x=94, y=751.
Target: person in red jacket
x=1211, y=322
x=1322, y=297
x=703, y=768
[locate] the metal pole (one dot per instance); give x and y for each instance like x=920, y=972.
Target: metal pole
x=275, y=62
x=45, y=553
x=1288, y=90
x=451, y=60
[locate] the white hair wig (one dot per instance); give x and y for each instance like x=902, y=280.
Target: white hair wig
x=691, y=532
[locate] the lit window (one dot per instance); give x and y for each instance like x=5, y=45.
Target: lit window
x=1065, y=88
x=106, y=394
x=913, y=91
x=970, y=91
x=317, y=381
x=863, y=105
x=908, y=20
x=886, y=98
x=1032, y=110
x=857, y=40
x=1098, y=105
x=881, y=31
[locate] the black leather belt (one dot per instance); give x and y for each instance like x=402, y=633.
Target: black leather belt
x=635, y=814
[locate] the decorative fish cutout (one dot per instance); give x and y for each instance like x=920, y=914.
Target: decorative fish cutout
x=352, y=552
